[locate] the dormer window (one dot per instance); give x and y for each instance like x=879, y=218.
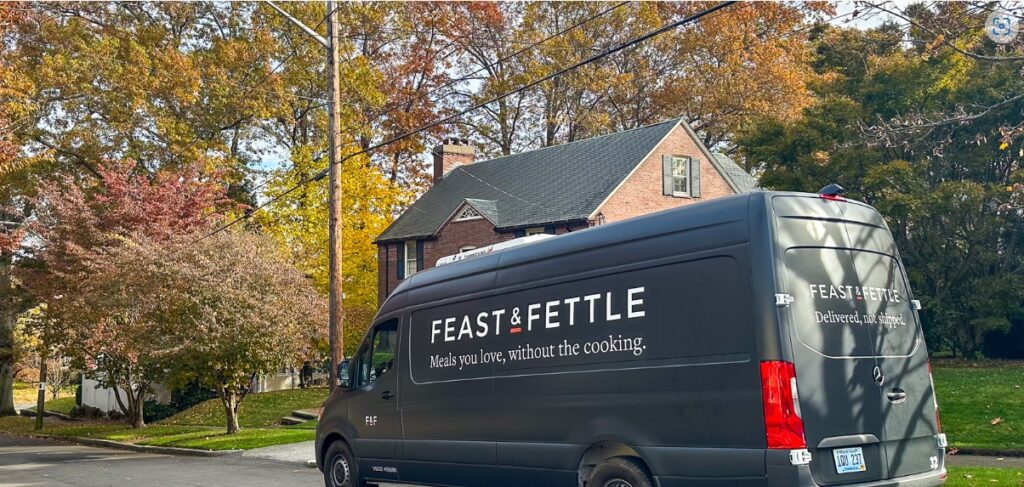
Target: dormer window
x=468, y=213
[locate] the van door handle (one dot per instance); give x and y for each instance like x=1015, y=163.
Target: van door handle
x=896, y=395
x=386, y=395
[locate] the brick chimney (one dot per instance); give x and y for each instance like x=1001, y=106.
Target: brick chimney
x=452, y=152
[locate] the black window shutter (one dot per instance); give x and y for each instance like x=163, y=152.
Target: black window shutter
x=695, y=177
x=400, y=254
x=519, y=233
x=419, y=255
x=549, y=230
x=666, y=175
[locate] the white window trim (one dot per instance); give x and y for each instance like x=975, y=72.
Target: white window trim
x=686, y=165
x=466, y=248
x=534, y=231
x=410, y=259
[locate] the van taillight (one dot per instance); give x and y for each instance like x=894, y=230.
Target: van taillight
x=782, y=423
x=938, y=425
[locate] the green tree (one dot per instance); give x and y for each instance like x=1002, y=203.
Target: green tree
x=926, y=134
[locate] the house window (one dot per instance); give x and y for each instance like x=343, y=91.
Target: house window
x=466, y=248
x=680, y=176
x=467, y=213
x=534, y=231
x=410, y=258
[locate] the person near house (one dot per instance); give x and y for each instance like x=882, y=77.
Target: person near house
x=306, y=375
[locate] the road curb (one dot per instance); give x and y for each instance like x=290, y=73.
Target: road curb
x=165, y=450
x=989, y=453
x=31, y=413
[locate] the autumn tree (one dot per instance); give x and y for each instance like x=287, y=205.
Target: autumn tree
x=299, y=223
x=243, y=310
x=745, y=60
x=98, y=290
x=14, y=211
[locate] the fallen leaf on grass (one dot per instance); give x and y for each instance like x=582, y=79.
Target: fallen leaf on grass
x=996, y=421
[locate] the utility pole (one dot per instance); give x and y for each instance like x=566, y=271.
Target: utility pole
x=336, y=320
x=337, y=310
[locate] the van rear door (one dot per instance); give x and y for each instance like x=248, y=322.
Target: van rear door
x=861, y=366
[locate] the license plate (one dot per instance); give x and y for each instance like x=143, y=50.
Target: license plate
x=849, y=460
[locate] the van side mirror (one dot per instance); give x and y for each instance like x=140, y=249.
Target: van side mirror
x=343, y=378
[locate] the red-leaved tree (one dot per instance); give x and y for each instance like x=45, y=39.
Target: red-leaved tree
x=105, y=312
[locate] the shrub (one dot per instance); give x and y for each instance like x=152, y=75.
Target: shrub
x=153, y=411
x=86, y=412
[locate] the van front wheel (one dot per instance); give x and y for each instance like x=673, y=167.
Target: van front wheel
x=340, y=468
x=619, y=472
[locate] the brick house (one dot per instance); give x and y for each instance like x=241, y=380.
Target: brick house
x=551, y=190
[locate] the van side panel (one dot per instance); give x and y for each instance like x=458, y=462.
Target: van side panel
x=693, y=384
x=644, y=337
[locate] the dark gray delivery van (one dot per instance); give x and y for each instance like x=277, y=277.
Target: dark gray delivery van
x=764, y=339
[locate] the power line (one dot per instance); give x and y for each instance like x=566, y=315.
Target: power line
x=471, y=75
x=808, y=26
x=450, y=118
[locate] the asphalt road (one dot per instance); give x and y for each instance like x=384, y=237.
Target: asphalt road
x=31, y=462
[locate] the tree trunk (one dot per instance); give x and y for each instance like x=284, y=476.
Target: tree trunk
x=6, y=387
x=230, y=400
x=8, y=318
x=138, y=419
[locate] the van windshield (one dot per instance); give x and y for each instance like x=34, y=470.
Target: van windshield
x=850, y=303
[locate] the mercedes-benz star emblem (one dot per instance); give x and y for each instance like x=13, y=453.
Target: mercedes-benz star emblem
x=878, y=375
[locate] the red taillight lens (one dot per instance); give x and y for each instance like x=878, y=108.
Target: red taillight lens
x=938, y=424
x=782, y=423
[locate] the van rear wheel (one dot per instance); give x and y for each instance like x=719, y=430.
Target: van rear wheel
x=620, y=472
x=340, y=468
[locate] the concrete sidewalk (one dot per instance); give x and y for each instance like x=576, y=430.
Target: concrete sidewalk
x=984, y=461
x=295, y=453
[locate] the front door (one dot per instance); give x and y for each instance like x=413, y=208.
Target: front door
x=372, y=404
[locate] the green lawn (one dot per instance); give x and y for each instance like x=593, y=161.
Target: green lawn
x=28, y=392
x=971, y=476
x=257, y=410
x=199, y=427
x=62, y=405
x=197, y=437
x=973, y=396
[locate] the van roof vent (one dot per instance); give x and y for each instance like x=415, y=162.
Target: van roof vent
x=448, y=259
x=831, y=191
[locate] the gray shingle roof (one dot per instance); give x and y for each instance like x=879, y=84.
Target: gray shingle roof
x=553, y=184
x=741, y=179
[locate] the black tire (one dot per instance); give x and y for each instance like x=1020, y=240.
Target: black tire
x=340, y=467
x=620, y=472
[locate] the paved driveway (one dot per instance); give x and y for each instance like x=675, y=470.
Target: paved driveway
x=31, y=462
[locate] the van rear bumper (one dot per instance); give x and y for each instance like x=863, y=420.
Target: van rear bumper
x=787, y=476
